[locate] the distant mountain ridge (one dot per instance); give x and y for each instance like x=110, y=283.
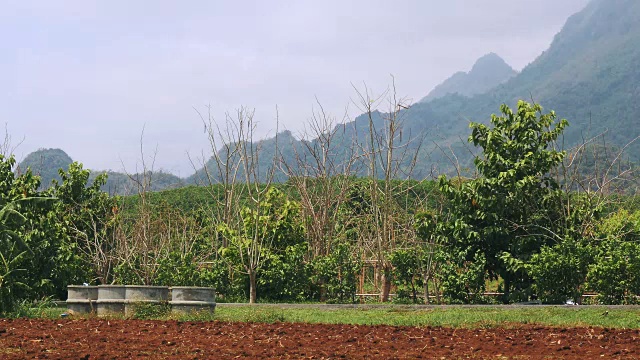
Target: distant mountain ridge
x=46, y=163
x=488, y=72
x=590, y=75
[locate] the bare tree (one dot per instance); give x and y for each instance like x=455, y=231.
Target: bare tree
x=148, y=234
x=7, y=147
x=221, y=174
x=320, y=172
x=389, y=157
x=98, y=238
x=245, y=182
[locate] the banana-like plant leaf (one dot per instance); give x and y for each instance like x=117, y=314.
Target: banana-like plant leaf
x=18, y=240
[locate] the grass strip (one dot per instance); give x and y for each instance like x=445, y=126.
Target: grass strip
x=467, y=317
x=446, y=316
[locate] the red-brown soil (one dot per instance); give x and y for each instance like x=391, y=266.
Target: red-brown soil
x=109, y=339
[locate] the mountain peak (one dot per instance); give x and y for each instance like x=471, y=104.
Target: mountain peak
x=45, y=163
x=489, y=62
x=488, y=72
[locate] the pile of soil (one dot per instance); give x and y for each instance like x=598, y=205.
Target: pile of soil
x=109, y=339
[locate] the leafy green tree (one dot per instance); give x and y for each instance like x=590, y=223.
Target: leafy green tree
x=432, y=232
x=39, y=229
x=559, y=272
x=507, y=210
x=615, y=272
x=407, y=272
x=88, y=218
x=269, y=228
x=462, y=276
x=285, y=275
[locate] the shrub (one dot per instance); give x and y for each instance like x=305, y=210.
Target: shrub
x=337, y=273
x=559, y=272
x=463, y=281
x=615, y=275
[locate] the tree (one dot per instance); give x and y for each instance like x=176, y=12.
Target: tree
x=239, y=160
x=265, y=232
x=559, y=272
x=320, y=172
x=614, y=273
x=90, y=217
x=389, y=156
x=509, y=212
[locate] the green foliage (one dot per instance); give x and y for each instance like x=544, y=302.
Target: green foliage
x=86, y=215
x=285, y=275
x=10, y=260
x=615, y=271
x=510, y=209
x=183, y=270
x=127, y=272
x=335, y=274
x=406, y=271
x=270, y=241
x=24, y=216
x=32, y=309
x=559, y=272
x=463, y=281
x=622, y=225
x=615, y=274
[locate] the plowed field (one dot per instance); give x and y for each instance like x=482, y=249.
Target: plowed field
x=109, y=339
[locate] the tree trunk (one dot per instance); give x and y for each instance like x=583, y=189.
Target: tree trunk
x=426, y=290
x=323, y=291
x=507, y=290
x=414, y=292
x=386, y=283
x=252, y=287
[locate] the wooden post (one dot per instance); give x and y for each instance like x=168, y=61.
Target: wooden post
x=361, y=291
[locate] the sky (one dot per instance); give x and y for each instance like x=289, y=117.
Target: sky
x=95, y=77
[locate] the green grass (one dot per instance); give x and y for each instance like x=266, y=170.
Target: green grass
x=466, y=317
x=472, y=317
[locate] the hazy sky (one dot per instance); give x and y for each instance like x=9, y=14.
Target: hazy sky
x=86, y=76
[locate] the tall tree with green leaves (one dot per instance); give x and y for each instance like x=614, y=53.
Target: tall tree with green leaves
x=89, y=218
x=509, y=211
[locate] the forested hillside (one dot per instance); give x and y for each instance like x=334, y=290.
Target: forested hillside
x=45, y=163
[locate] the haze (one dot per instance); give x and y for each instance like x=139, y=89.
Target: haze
x=87, y=76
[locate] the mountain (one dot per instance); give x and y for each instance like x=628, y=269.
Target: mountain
x=46, y=163
x=488, y=72
x=126, y=184
x=589, y=75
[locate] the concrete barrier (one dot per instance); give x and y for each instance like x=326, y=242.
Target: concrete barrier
x=189, y=299
x=82, y=299
x=136, y=295
x=107, y=300
x=111, y=299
